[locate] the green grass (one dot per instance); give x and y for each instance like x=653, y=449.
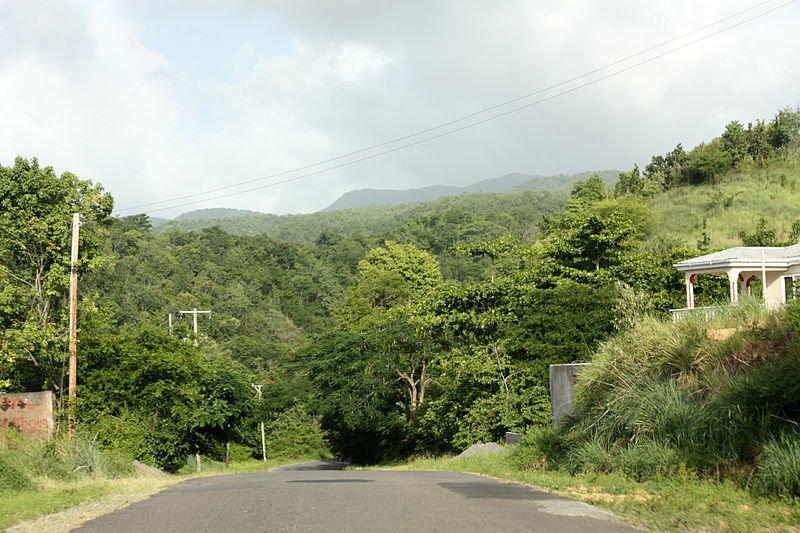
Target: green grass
x=736, y=203
x=678, y=503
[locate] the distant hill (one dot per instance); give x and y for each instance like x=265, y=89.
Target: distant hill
x=375, y=219
x=563, y=181
x=509, y=182
x=218, y=212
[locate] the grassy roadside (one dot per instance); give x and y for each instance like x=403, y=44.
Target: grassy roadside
x=62, y=505
x=680, y=503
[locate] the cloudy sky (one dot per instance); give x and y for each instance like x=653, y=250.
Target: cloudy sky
x=162, y=100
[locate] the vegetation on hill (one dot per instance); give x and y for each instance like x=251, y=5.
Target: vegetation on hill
x=218, y=212
x=305, y=229
x=508, y=183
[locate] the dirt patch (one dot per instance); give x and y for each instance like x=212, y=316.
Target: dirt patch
x=720, y=334
x=597, y=495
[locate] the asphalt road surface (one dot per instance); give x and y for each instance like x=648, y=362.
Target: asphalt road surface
x=317, y=497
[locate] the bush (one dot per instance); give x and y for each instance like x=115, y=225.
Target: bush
x=148, y=440
x=588, y=457
x=778, y=470
x=661, y=398
x=647, y=459
x=12, y=479
x=293, y=433
x=541, y=448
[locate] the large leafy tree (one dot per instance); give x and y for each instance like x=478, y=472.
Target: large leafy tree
x=390, y=275
x=36, y=208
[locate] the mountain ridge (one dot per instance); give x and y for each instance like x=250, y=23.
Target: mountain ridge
x=513, y=182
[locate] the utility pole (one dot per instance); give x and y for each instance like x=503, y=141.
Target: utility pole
x=73, y=320
x=263, y=441
x=170, y=324
x=194, y=313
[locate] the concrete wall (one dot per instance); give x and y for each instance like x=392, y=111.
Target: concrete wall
x=562, y=379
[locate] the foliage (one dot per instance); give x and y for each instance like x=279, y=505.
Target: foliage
x=662, y=398
x=778, y=470
x=356, y=397
x=158, y=398
x=387, y=276
x=11, y=478
x=36, y=209
x=306, y=228
x=294, y=433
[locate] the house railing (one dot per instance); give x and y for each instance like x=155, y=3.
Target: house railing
x=707, y=312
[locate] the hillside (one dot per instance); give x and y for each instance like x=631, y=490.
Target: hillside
x=368, y=220
x=563, y=182
x=217, y=212
x=735, y=203
x=508, y=183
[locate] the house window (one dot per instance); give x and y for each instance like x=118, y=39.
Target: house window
x=791, y=287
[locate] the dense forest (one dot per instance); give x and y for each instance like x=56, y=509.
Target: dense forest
x=380, y=333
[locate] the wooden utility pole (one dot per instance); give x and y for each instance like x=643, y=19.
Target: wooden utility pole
x=263, y=441
x=73, y=320
x=194, y=313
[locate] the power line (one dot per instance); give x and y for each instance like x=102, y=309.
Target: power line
x=470, y=115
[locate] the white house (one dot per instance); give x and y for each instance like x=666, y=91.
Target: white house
x=778, y=268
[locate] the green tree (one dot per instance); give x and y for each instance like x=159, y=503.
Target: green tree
x=784, y=129
x=758, y=145
x=598, y=235
x=390, y=275
x=356, y=397
x=36, y=209
x=734, y=142
x=707, y=161
x=762, y=236
x=630, y=183
x=492, y=249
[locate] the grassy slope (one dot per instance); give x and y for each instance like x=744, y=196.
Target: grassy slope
x=735, y=204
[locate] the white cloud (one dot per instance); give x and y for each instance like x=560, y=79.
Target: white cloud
x=84, y=90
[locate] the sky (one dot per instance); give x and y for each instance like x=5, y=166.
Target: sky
x=282, y=106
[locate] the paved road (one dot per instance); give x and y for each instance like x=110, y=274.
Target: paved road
x=316, y=497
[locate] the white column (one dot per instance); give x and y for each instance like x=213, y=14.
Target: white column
x=689, y=291
x=733, y=277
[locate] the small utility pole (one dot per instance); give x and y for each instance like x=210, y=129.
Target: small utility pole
x=263, y=441
x=73, y=320
x=194, y=313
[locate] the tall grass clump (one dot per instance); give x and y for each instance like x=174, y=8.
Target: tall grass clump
x=58, y=458
x=717, y=396
x=778, y=470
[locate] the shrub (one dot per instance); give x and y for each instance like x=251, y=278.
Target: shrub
x=540, y=448
x=663, y=397
x=294, y=432
x=647, y=458
x=778, y=470
x=589, y=456
x=11, y=478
